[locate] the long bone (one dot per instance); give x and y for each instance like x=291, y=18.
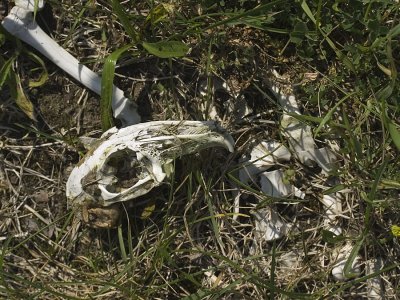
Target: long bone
x=20, y=23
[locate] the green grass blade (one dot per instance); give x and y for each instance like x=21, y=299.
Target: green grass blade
x=107, y=87
x=328, y=116
x=125, y=20
x=5, y=69
x=259, y=10
x=308, y=12
x=18, y=93
x=122, y=244
x=395, y=31
x=353, y=254
x=394, y=134
x=334, y=189
x=361, y=279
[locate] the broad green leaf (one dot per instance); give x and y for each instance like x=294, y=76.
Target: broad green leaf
x=299, y=32
x=148, y=210
x=385, y=92
x=125, y=21
x=339, y=54
x=107, y=87
x=159, y=13
x=331, y=238
x=394, y=134
x=385, y=70
x=167, y=49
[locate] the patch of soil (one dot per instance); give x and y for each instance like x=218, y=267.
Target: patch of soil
x=64, y=106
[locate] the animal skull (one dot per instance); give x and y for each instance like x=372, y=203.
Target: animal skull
x=129, y=162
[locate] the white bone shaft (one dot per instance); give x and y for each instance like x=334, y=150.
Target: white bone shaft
x=21, y=24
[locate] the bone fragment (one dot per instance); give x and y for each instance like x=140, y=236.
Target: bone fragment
x=343, y=254
x=272, y=184
x=268, y=225
x=29, y=4
x=262, y=157
x=374, y=284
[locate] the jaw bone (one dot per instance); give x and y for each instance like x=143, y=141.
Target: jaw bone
x=129, y=162
x=21, y=24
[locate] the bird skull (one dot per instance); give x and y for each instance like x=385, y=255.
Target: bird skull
x=128, y=162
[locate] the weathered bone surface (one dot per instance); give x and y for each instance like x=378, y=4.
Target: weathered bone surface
x=21, y=24
x=262, y=157
x=129, y=162
x=343, y=254
x=273, y=184
x=269, y=226
x=29, y=4
x=375, y=283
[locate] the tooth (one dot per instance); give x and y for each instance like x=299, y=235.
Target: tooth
x=21, y=24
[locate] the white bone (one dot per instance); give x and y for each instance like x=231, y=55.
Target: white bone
x=29, y=4
x=333, y=205
x=272, y=184
x=374, y=284
x=299, y=135
x=268, y=225
x=262, y=157
x=343, y=254
x=147, y=148
x=324, y=157
x=332, y=227
x=21, y=24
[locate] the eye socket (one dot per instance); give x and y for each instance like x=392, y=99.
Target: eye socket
x=125, y=169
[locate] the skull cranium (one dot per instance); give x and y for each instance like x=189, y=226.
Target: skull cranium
x=128, y=162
